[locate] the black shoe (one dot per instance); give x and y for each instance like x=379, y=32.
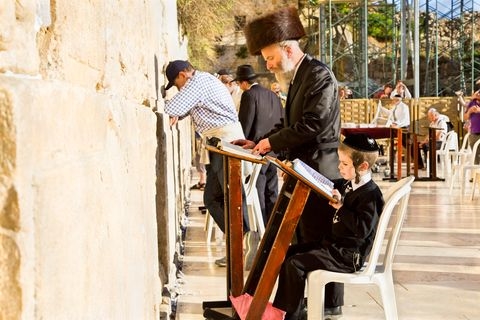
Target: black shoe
x=198, y=186
x=222, y=262
x=335, y=311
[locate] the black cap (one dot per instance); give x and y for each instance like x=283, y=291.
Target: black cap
x=223, y=72
x=361, y=142
x=173, y=69
x=245, y=72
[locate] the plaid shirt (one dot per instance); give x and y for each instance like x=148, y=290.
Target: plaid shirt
x=206, y=99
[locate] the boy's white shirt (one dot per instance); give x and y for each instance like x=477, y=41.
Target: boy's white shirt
x=363, y=180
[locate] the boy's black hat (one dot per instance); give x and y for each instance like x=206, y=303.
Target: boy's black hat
x=361, y=142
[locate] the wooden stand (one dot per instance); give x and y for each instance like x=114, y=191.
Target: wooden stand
x=432, y=156
x=232, y=166
x=273, y=247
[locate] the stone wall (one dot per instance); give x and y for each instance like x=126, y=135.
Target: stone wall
x=83, y=158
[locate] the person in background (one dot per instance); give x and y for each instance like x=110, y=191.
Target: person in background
x=401, y=90
x=399, y=115
x=277, y=89
x=351, y=238
x=233, y=88
x=385, y=92
x=436, y=121
x=260, y=110
x=202, y=171
x=310, y=130
x=209, y=104
x=342, y=93
x=472, y=114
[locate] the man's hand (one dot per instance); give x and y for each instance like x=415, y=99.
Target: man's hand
x=173, y=121
x=244, y=143
x=262, y=147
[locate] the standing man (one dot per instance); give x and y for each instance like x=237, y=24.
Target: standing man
x=311, y=127
x=203, y=97
x=260, y=110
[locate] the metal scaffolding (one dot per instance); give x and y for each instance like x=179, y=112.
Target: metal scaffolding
x=430, y=44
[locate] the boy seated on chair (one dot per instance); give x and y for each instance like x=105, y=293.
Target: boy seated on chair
x=353, y=230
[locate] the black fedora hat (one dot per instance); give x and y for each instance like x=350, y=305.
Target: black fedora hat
x=245, y=72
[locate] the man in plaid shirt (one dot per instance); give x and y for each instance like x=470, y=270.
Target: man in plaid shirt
x=207, y=100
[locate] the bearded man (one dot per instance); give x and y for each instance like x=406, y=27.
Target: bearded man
x=311, y=127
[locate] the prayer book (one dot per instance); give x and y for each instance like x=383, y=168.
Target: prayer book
x=233, y=149
x=313, y=176
x=314, y=179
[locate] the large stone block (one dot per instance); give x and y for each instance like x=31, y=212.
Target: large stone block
x=81, y=187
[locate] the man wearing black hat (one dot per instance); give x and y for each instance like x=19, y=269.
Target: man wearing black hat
x=311, y=127
x=351, y=238
x=260, y=109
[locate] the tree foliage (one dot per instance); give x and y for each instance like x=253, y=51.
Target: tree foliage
x=203, y=22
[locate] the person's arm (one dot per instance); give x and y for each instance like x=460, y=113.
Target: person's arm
x=402, y=116
x=361, y=216
x=408, y=95
x=182, y=102
x=471, y=109
x=315, y=110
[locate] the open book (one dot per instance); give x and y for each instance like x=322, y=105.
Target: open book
x=315, y=177
x=233, y=148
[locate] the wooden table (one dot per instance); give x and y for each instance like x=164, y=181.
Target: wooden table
x=432, y=156
x=384, y=133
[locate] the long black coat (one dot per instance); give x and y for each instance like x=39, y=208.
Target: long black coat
x=310, y=132
x=260, y=110
x=311, y=128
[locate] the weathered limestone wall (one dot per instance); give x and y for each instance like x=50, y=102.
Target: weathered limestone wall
x=80, y=160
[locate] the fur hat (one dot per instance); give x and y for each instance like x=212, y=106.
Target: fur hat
x=280, y=25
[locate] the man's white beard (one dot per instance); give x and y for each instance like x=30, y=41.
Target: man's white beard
x=285, y=76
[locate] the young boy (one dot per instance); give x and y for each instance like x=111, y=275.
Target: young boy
x=352, y=233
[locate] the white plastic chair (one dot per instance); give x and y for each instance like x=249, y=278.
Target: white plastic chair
x=476, y=180
x=255, y=217
x=460, y=158
x=470, y=166
x=210, y=225
x=449, y=145
x=375, y=271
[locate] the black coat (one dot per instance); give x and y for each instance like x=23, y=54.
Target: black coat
x=354, y=225
x=260, y=110
x=311, y=127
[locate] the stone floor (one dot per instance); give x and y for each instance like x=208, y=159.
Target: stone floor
x=436, y=269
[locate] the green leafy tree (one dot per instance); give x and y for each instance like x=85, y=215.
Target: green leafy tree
x=203, y=22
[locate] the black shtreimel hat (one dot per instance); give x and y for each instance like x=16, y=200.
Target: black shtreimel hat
x=245, y=72
x=173, y=69
x=361, y=142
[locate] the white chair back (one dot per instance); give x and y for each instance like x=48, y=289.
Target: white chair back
x=398, y=200
x=255, y=217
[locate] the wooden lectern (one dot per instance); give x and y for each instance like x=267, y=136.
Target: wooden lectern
x=273, y=246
